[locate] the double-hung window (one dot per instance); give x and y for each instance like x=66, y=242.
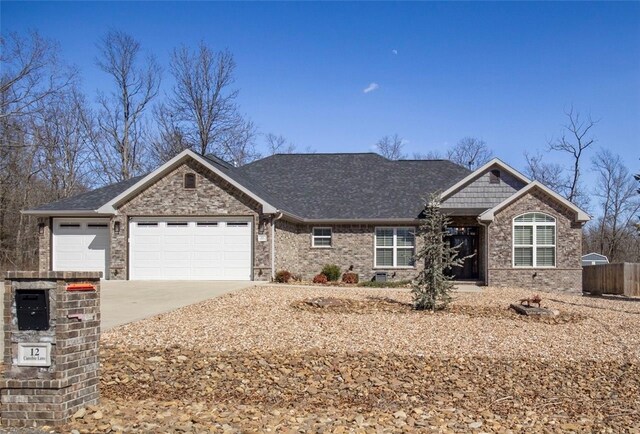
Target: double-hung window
x=321, y=237
x=394, y=247
x=534, y=240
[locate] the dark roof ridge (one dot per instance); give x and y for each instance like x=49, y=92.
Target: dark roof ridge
x=326, y=153
x=425, y=159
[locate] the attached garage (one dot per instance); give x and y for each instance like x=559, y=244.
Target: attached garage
x=190, y=249
x=80, y=245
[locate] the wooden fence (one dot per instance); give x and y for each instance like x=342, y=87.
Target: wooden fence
x=619, y=279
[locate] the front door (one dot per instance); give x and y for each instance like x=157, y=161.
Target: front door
x=467, y=240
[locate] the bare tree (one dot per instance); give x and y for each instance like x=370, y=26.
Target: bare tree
x=170, y=139
x=616, y=191
x=637, y=177
x=430, y=155
x=31, y=72
x=550, y=174
x=574, y=140
x=64, y=136
x=470, y=152
x=238, y=146
x=121, y=153
x=34, y=82
x=203, y=103
x=391, y=147
x=278, y=144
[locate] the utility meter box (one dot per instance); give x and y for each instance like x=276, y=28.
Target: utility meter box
x=381, y=276
x=32, y=309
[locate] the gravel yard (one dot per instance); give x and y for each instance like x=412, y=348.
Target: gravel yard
x=263, y=318
x=261, y=359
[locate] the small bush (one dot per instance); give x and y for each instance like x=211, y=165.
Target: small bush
x=332, y=272
x=320, y=278
x=283, y=276
x=350, y=278
x=388, y=284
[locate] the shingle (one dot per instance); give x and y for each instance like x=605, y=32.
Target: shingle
x=320, y=186
x=351, y=186
x=91, y=200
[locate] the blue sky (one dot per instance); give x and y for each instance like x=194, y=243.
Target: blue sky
x=503, y=72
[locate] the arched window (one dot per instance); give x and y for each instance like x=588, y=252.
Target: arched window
x=534, y=240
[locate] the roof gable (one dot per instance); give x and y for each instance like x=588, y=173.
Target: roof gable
x=481, y=192
x=161, y=171
x=594, y=257
x=494, y=163
x=581, y=215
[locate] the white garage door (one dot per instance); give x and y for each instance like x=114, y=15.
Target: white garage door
x=80, y=245
x=189, y=249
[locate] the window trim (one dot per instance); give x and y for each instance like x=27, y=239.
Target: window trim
x=314, y=236
x=394, y=248
x=534, y=246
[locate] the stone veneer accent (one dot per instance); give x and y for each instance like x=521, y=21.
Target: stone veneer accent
x=567, y=275
x=50, y=395
x=351, y=245
x=44, y=243
x=212, y=197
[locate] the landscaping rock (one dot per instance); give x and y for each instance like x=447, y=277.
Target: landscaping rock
x=264, y=360
x=248, y=392
x=531, y=310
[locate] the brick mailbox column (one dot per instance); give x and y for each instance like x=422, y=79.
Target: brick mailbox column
x=51, y=337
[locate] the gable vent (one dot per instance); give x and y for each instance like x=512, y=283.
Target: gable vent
x=189, y=180
x=494, y=176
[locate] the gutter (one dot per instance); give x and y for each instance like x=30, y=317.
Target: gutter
x=273, y=245
x=67, y=213
x=298, y=219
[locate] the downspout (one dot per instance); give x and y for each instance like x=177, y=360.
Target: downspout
x=273, y=246
x=486, y=250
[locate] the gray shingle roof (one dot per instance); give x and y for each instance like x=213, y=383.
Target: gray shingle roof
x=91, y=200
x=351, y=186
x=320, y=186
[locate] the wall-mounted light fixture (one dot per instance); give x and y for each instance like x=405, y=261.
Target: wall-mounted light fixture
x=116, y=227
x=41, y=228
x=262, y=226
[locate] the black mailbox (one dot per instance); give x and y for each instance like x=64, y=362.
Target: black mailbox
x=32, y=306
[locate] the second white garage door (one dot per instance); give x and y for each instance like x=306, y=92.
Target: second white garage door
x=203, y=249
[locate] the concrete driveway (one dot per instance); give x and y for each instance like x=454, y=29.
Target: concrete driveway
x=127, y=301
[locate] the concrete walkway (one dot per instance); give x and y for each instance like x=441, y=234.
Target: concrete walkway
x=127, y=301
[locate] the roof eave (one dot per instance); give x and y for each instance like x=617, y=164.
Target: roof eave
x=297, y=219
x=66, y=213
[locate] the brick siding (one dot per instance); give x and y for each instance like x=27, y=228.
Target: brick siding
x=212, y=197
x=50, y=395
x=567, y=275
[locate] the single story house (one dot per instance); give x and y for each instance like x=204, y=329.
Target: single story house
x=198, y=217
x=594, y=259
